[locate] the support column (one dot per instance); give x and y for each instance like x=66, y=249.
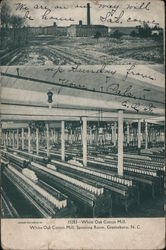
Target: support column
x=17, y=138
x=159, y=135
x=120, y=142
x=80, y=135
x=71, y=136
x=54, y=135
x=13, y=139
x=91, y=137
x=146, y=135
x=37, y=141
x=114, y=135
x=139, y=136
x=135, y=137
x=2, y=136
x=4, y=139
x=96, y=136
x=155, y=135
x=62, y=140
x=29, y=140
x=128, y=134
x=47, y=140
x=67, y=136
x=84, y=140
x=51, y=135
x=2, y=133
x=22, y=138
x=9, y=139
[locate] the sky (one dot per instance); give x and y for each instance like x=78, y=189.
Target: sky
x=155, y=12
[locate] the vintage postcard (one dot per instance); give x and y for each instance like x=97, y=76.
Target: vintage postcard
x=82, y=125
x=81, y=32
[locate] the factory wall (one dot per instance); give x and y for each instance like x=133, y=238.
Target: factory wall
x=35, y=30
x=57, y=31
x=85, y=30
x=50, y=30
x=71, y=31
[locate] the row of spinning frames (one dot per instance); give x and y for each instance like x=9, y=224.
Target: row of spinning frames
x=52, y=187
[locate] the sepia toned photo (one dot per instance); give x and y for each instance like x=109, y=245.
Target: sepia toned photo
x=82, y=125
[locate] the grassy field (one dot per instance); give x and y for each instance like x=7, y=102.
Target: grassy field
x=50, y=50
x=148, y=50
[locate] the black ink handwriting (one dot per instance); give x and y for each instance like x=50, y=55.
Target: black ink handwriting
x=149, y=108
x=132, y=20
x=21, y=6
x=77, y=68
x=138, y=106
x=55, y=71
x=108, y=6
x=46, y=16
x=80, y=6
x=114, y=88
x=28, y=16
x=131, y=72
x=139, y=6
x=110, y=16
x=25, y=9
x=41, y=7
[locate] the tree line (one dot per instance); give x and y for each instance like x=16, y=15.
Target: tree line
x=9, y=20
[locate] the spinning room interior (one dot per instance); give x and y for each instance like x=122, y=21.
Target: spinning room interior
x=82, y=141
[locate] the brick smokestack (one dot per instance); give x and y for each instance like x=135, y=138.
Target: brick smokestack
x=88, y=13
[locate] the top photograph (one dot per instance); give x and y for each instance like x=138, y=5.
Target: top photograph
x=47, y=33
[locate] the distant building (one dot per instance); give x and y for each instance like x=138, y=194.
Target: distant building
x=124, y=30
x=77, y=30
x=157, y=32
x=84, y=30
x=81, y=30
x=48, y=30
x=35, y=31
x=55, y=30
x=87, y=30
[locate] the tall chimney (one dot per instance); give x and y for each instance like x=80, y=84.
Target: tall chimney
x=88, y=13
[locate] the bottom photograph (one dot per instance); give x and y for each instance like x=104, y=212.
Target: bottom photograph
x=80, y=152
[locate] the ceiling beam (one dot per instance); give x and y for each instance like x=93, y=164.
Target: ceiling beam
x=21, y=113
x=14, y=125
x=24, y=97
